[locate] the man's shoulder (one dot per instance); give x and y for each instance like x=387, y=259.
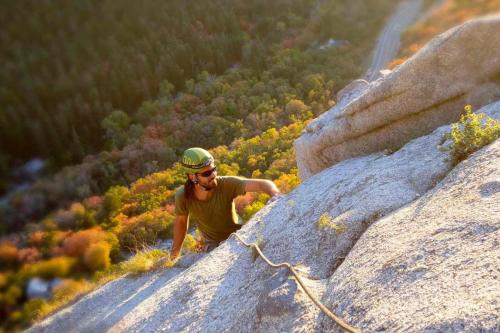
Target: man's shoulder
x=231, y=179
x=234, y=185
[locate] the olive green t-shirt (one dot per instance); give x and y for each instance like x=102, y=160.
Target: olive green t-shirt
x=215, y=217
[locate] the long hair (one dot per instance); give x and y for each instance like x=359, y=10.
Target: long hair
x=188, y=189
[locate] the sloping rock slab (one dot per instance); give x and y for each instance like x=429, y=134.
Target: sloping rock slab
x=99, y=310
x=460, y=66
x=432, y=266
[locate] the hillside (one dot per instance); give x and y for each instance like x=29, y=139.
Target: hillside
x=213, y=110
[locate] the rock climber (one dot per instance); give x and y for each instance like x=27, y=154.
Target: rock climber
x=208, y=198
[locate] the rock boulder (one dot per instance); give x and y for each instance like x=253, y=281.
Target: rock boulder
x=432, y=266
x=458, y=67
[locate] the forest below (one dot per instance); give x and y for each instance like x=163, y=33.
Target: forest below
x=111, y=93
x=279, y=61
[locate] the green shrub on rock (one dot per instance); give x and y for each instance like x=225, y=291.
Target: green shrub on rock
x=472, y=132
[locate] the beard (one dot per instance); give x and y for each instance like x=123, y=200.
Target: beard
x=210, y=185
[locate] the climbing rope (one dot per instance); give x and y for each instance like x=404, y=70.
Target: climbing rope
x=323, y=308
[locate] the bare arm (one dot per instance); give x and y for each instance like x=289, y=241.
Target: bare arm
x=261, y=185
x=180, y=229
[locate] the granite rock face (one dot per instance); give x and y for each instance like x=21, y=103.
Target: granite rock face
x=432, y=266
x=427, y=91
x=380, y=239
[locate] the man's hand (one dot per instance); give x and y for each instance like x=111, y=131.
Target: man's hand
x=275, y=198
x=173, y=255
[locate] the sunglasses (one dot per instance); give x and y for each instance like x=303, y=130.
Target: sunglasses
x=207, y=173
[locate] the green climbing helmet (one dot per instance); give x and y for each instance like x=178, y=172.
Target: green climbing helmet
x=194, y=159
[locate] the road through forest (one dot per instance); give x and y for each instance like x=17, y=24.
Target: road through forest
x=388, y=41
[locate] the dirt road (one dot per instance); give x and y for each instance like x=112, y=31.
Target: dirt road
x=389, y=39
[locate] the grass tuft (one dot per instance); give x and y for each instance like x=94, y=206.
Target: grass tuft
x=143, y=262
x=325, y=222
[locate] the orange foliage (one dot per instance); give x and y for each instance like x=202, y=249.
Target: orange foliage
x=93, y=202
x=36, y=238
x=28, y=255
x=139, y=231
x=395, y=63
x=130, y=209
x=141, y=187
x=413, y=48
x=8, y=252
x=56, y=251
x=76, y=244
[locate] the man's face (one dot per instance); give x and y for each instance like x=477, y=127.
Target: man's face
x=206, y=177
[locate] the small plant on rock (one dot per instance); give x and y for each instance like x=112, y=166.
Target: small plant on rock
x=472, y=132
x=326, y=222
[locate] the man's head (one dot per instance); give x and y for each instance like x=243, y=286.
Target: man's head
x=200, y=167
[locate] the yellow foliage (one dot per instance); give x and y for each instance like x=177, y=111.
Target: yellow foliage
x=228, y=170
x=250, y=210
x=78, y=209
x=33, y=308
x=190, y=243
x=12, y=294
x=143, y=261
x=55, y=267
x=256, y=174
x=287, y=182
x=96, y=256
x=326, y=222
x=76, y=244
x=69, y=288
x=64, y=293
x=138, y=231
x=15, y=316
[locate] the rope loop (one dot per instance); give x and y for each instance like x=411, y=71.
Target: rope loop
x=346, y=327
